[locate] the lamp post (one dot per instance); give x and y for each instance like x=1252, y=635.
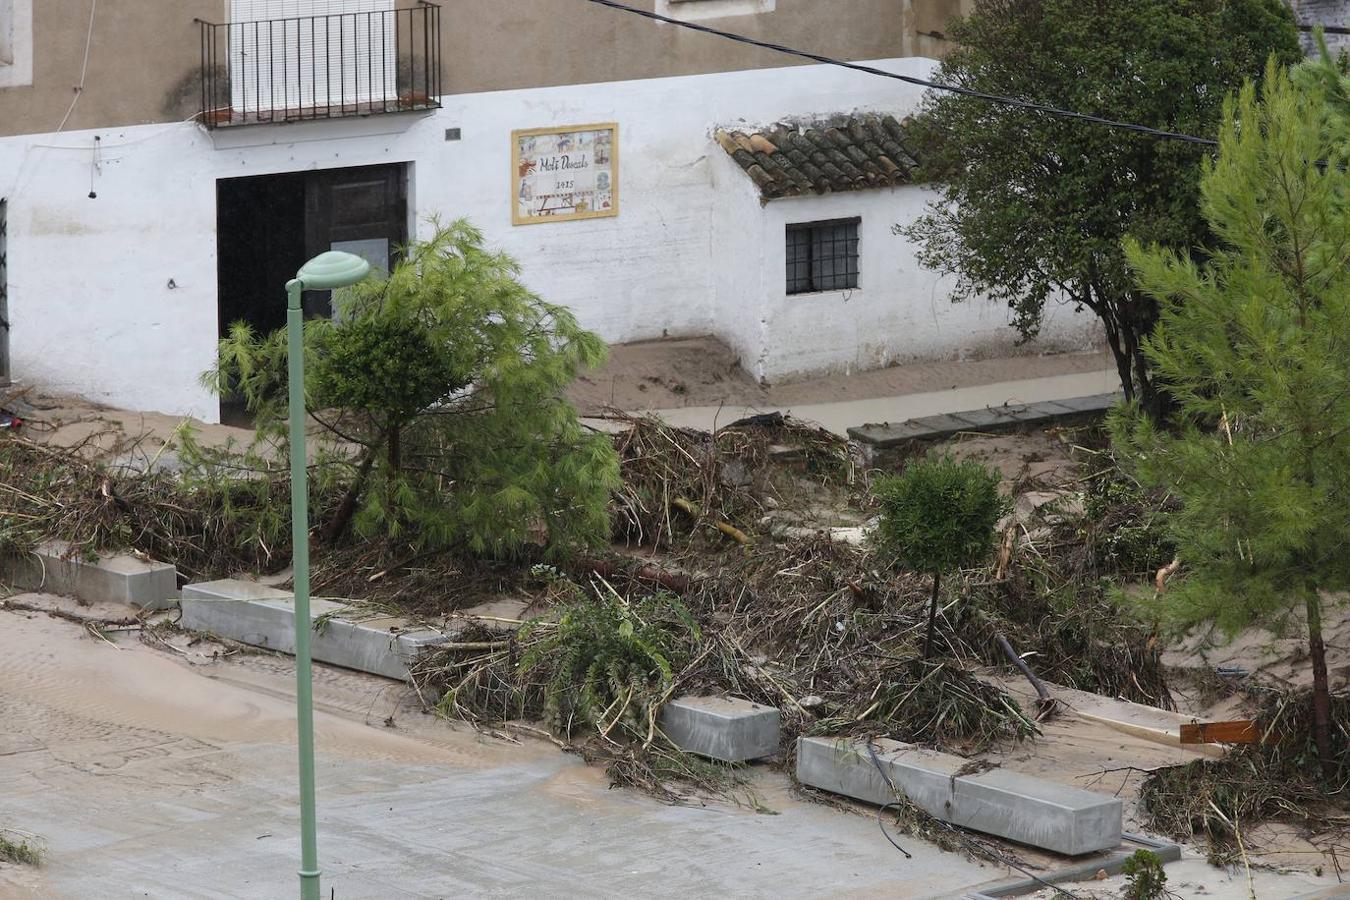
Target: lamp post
x=327, y=271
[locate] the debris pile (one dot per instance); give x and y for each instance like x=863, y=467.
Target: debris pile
x=206, y=527
x=1275, y=778
x=727, y=576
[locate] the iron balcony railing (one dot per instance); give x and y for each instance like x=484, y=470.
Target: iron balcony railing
x=321, y=67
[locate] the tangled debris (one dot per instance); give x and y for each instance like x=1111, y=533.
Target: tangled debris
x=1278, y=778
x=208, y=527
x=677, y=478
x=807, y=622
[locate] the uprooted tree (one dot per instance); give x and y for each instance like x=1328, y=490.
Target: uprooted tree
x=1032, y=208
x=938, y=516
x=436, y=397
x=1252, y=343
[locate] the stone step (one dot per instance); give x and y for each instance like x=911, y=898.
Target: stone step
x=885, y=435
x=120, y=578
x=998, y=802
x=261, y=616
x=726, y=728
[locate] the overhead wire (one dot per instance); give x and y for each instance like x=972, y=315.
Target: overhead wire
x=84, y=68
x=910, y=79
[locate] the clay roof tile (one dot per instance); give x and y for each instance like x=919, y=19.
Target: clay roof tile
x=839, y=153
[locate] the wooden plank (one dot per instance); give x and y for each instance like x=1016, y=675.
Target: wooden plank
x=1240, y=731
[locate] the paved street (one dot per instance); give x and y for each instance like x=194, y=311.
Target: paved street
x=152, y=773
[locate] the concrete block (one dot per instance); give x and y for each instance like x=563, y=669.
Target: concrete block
x=986, y=418
x=120, y=578
x=998, y=802
x=885, y=434
x=264, y=617
x=725, y=728
x=1093, y=403
x=943, y=425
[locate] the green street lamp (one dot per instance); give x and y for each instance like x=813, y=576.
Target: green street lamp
x=327, y=271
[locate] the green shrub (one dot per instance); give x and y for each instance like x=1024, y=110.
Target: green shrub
x=1144, y=876
x=609, y=661
x=939, y=516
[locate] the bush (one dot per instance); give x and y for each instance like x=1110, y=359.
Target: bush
x=939, y=516
x=1144, y=876
x=1031, y=208
x=609, y=661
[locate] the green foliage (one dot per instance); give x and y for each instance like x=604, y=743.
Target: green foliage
x=609, y=661
x=389, y=366
x=1145, y=878
x=436, y=401
x=1034, y=207
x=20, y=849
x=1124, y=523
x=939, y=514
x=944, y=705
x=1252, y=345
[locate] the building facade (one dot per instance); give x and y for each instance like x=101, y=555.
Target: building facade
x=1327, y=13
x=212, y=150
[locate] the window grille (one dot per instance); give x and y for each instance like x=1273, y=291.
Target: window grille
x=822, y=256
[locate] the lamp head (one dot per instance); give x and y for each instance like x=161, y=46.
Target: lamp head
x=332, y=269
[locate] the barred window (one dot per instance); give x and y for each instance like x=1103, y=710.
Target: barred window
x=822, y=256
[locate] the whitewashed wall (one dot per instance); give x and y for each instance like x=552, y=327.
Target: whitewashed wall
x=900, y=312
x=115, y=297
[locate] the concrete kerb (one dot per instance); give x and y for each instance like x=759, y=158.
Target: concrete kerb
x=260, y=616
x=999, y=802
x=1112, y=865
x=885, y=435
x=123, y=578
x=724, y=728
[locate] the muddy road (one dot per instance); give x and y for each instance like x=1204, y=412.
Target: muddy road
x=157, y=773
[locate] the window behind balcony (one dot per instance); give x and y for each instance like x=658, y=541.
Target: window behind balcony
x=16, y=43
x=307, y=55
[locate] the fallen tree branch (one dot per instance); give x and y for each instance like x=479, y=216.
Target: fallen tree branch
x=1045, y=703
x=19, y=606
x=726, y=528
x=612, y=571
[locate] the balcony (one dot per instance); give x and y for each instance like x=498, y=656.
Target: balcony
x=321, y=67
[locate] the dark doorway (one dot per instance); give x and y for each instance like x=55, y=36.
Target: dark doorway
x=268, y=225
x=260, y=242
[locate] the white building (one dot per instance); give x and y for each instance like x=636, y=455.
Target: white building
x=129, y=248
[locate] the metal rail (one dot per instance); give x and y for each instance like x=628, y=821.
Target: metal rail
x=320, y=67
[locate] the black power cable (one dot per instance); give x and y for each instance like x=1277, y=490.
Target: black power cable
x=909, y=79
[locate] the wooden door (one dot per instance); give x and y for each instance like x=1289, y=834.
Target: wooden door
x=360, y=210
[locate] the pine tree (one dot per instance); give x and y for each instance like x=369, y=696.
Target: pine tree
x=1254, y=344
x=436, y=397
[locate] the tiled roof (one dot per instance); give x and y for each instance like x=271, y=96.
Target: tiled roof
x=847, y=153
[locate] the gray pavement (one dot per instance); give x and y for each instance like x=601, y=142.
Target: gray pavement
x=157, y=773
x=840, y=416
